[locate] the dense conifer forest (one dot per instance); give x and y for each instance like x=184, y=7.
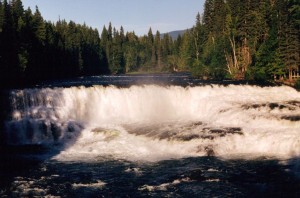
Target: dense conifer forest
x=234, y=39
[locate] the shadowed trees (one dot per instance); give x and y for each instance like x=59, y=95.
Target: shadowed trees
x=232, y=39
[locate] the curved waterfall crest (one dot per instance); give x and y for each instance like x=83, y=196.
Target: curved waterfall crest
x=158, y=122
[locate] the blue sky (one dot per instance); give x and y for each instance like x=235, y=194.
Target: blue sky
x=133, y=15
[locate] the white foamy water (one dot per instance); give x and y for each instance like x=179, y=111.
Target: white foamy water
x=156, y=123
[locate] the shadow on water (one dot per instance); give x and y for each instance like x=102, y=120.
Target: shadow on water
x=16, y=161
x=214, y=177
x=191, y=177
x=17, y=157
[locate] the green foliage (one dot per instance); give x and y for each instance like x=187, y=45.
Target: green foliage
x=297, y=85
x=23, y=60
x=249, y=39
x=200, y=70
x=268, y=64
x=232, y=39
x=32, y=49
x=257, y=74
x=294, y=10
x=1, y=16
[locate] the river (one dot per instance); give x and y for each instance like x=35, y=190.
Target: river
x=151, y=136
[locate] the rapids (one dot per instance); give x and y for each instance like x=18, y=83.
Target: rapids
x=155, y=122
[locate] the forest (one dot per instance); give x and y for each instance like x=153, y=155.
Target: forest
x=232, y=39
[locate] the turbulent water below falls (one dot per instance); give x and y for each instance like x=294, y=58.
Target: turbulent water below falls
x=155, y=140
x=150, y=123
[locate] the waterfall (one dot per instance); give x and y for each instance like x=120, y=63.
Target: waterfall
x=154, y=122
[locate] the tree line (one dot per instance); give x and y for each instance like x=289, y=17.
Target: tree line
x=32, y=49
x=234, y=39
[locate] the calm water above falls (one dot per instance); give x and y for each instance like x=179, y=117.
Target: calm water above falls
x=141, y=138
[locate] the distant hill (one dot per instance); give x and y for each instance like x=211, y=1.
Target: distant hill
x=175, y=34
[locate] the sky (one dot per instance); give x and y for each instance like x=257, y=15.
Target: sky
x=133, y=15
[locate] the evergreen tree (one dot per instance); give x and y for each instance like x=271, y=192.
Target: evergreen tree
x=151, y=48
x=110, y=32
x=288, y=36
x=209, y=12
x=9, y=47
x=1, y=16
x=158, y=50
x=167, y=51
x=131, y=52
x=186, y=52
x=17, y=11
x=293, y=48
x=38, y=26
x=254, y=39
x=103, y=44
x=108, y=49
x=122, y=35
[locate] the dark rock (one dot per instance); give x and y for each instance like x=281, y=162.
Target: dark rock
x=210, y=137
x=29, y=130
x=188, y=137
x=197, y=123
x=209, y=150
x=196, y=175
x=56, y=131
x=234, y=130
x=220, y=131
x=43, y=128
x=294, y=103
x=71, y=128
x=293, y=118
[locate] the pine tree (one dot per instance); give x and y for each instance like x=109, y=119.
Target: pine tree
x=209, y=12
x=293, y=40
x=131, y=52
x=197, y=31
x=167, y=50
x=185, y=51
x=17, y=11
x=294, y=10
x=110, y=32
x=122, y=35
x=1, y=43
x=109, y=46
x=288, y=36
x=39, y=26
x=158, y=50
x=1, y=16
x=151, y=47
x=118, y=64
x=9, y=46
x=219, y=17
x=104, y=37
x=268, y=64
x=103, y=46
